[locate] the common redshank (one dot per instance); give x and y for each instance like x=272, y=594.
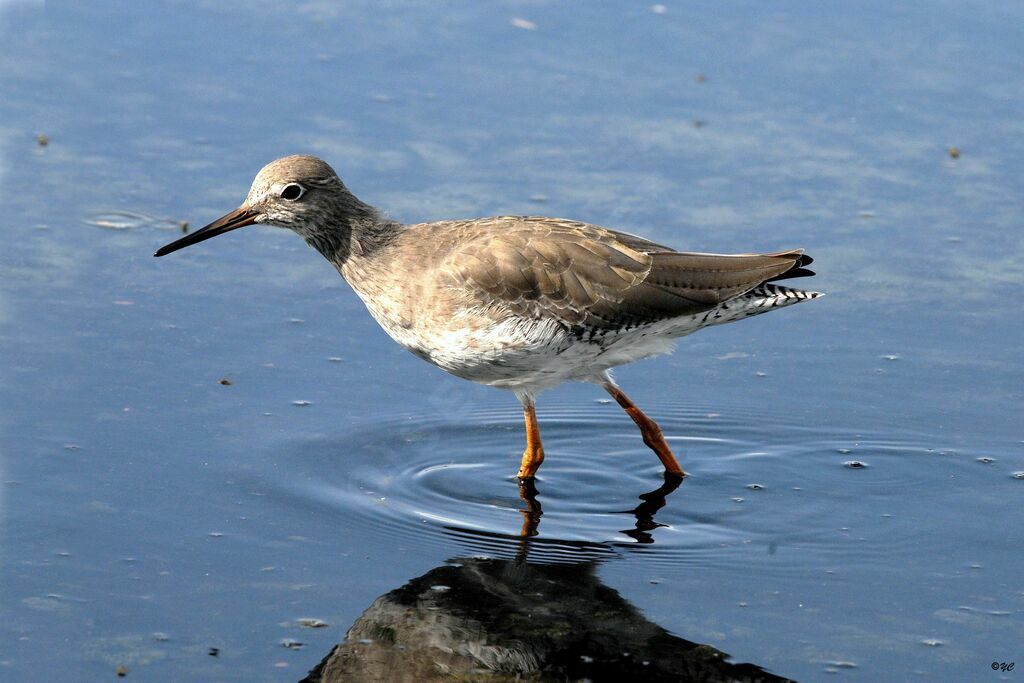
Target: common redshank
x=518, y=302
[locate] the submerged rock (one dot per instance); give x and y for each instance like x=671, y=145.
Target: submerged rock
x=506, y=620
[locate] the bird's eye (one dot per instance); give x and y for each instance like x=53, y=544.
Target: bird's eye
x=292, y=191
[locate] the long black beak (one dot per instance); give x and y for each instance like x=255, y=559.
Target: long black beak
x=239, y=218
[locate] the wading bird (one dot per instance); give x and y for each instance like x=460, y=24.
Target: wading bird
x=518, y=302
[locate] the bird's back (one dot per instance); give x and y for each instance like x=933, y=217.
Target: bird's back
x=496, y=299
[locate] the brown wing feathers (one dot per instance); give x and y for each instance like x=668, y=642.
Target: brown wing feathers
x=586, y=275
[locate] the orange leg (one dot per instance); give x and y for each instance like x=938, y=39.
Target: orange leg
x=533, y=456
x=649, y=429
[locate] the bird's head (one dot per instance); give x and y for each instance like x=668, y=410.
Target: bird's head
x=300, y=192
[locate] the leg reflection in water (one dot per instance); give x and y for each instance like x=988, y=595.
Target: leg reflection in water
x=477, y=619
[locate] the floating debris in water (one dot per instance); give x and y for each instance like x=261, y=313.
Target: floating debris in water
x=160, y=636
x=42, y=140
x=755, y=487
x=121, y=671
x=335, y=359
x=1018, y=475
x=891, y=356
x=760, y=374
x=292, y=644
x=737, y=499
x=602, y=401
x=296, y=321
x=224, y=381
x=843, y=451
x=213, y=651
x=302, y=403
x=71, y=447
x=932, y=642
x=524, y=24
x=215, y=534
x=843, y=664
x=129, y=220
x=954, y=152
x=855, y=464
x=985, y=460
x=183, y=225
x=311, y=623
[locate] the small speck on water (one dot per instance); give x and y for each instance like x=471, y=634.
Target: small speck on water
x=334, y=359
x=224, y=381
x=697, y=123
x=296, y=321
x=866, y=214
x=891, y=356
x=755, y=487
x=843, y=451
x=183, y=225
x=72, y=447
x=292, y=644
x=311, y=623
x=524, y=24
x=603, y=401
x=701, y=78
x=1018, y=475
x=121, y=671
x=954, y=152
x=985, y=460
x=42, y=140
x=760, y=374
x=160, y=636
x=302, y=403
x=213, y=651
x=855, y=464
x=932, y=642
x=215, y=534
x=737, y=499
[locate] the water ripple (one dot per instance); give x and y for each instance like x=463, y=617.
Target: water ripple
x=760, y=485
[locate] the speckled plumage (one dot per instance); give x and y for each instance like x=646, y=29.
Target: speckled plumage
x=518, y=302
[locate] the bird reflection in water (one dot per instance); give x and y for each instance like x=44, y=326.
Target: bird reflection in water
x=542, y=614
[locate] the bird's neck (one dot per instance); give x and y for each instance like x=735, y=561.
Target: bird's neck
x=357, y=231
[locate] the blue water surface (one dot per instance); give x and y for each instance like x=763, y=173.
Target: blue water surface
x=202, y=450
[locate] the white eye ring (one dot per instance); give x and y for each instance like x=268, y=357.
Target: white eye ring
x=292, y=192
